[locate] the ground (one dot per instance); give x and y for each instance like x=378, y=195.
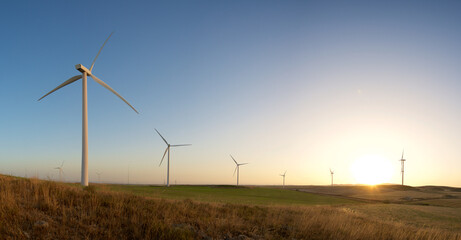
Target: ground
x=38, y=209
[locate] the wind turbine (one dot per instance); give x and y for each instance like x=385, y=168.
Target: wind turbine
x=283, y=175
x=60, y=171
x=128, y=173
x=237, y=168
x=168, y=150
x=402, y=161
x=86, y=72
x=332, y=173
x=99, y=176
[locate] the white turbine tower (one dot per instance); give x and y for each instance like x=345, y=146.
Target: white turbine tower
x=283, y=175
x=86, y=72
x=168, y=163
x=402, y=170
x=332, y=173
x=61, y=171
x=237, y=168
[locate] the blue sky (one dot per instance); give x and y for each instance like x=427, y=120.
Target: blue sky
x=285, y=85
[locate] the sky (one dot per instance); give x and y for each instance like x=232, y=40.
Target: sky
x=301, y=86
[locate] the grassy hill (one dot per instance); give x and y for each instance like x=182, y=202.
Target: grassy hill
x=36, y=209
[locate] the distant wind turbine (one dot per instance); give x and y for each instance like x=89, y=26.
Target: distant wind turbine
x=237, y=168
x=168, y=150
x=99, y=176
x=128, y=173
x=283, y=175
x=61, y=171
x=86, y=72
x=402, y=161
x=332, y=173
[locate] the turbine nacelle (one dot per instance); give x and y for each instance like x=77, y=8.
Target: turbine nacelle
x=82, y=69
x=283, y=175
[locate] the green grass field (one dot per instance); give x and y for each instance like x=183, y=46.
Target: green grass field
x=230, y=194
x=406, y=213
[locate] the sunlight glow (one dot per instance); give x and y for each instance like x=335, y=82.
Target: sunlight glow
x=371, y=170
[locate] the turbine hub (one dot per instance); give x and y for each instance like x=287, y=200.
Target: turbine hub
x=82, y=69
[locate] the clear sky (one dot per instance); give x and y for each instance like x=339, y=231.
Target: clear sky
x=300, y=86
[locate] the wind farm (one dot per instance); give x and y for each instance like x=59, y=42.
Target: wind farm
x=276, y=87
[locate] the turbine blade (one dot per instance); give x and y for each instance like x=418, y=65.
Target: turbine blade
x=233, y=159
x=285, y=173
x=97, y=55
x=62, y=164
x=243, y=163
x=402, y=153
x=180, y=145
x=112, y=90
x=163, y=156
x=67, y=82
x=162, y=137
x=235, y=170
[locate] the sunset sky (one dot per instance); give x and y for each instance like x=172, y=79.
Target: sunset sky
x=301, y=86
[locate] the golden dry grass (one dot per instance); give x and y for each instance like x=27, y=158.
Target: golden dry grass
x=391, y=193
x=74, y=213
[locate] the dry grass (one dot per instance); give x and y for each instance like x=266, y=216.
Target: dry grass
x=74, y=213
x=429, y=195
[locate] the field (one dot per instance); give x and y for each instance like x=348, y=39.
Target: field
x=37, y=209
x=230, y=194
x=426, y=195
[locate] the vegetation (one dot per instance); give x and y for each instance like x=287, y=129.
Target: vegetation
x=38, y=209
x=230, y=194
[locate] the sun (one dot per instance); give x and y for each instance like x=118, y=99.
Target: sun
x=372, y=169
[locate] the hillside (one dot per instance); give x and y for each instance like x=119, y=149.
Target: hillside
x=36, y=209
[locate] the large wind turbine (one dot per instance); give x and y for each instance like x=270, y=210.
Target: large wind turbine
x=283, y=175
x=237, y=168
x=402, y=160
x=332, y=173
x=61, y=171
x=168, y=150
x=99, y=176
x=86, y=72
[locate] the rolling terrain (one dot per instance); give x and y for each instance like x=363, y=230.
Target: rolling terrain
x=37, y=209
x=425, y=195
